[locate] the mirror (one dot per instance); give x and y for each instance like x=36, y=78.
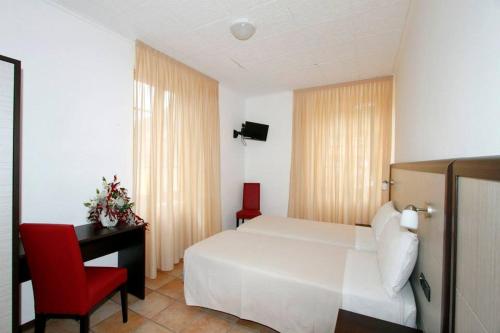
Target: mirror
x=10, y=88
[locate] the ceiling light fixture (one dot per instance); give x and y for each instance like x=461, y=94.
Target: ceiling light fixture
x=242, y=29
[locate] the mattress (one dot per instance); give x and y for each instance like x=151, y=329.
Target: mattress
x=357, y=237
x=289, y=285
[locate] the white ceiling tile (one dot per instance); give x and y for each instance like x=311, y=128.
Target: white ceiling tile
x=340, y=71
x=340, y=31
x=329, y=53
x=362, y=6
x=382, y=19
x=271, y=19
x=242, y=7
x=247, y=54
x=388, y=42
x=298, y=43
x=301, y=78
x=313, y=12
x=195, y=13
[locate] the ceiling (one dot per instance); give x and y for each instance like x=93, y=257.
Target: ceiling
x=298, y=43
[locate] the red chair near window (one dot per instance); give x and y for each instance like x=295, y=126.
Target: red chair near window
x=251, y=203
x=62, y=286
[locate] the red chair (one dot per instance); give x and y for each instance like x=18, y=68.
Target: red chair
x=62, y=286
x=251, y=203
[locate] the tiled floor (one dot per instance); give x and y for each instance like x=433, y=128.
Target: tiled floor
x=163, y=311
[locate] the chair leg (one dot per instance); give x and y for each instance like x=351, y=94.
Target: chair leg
x=84, y=323
x=237, y=222
x=124, y=301
x=40, y=323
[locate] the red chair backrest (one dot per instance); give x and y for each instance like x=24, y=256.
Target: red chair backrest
x=56, y=268
x=251, y=196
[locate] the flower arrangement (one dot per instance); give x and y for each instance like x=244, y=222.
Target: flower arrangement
x=111, y=206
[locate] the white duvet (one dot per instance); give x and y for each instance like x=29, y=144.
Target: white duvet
x=357, y=237
x=288, y=285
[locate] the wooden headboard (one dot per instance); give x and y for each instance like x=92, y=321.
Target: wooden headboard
x=422, y=184
x=475, y=262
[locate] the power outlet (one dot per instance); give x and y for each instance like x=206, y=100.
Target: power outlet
x=425, y=286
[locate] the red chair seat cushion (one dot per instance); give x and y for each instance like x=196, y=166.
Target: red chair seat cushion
x=101, y=281
x=247, y=214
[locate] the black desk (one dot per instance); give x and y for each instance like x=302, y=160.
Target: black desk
x=96, y=241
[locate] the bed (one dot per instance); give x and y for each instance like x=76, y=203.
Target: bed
x=295, y=280
x=290, y=285
x=357, y=237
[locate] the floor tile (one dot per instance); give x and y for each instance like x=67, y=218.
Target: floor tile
x=221, y=315
x=252, y=326
x=161, y=279
x=207, y=324
x=152, y=305
x=151, y=327
x=242, y=329
x=62, y=326
x=105, y=311
x=177, y=316
x=173, y=289
x=114, y=323
x=131, y=298
x=178, y=270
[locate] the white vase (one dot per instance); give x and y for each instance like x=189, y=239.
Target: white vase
x=106, y=221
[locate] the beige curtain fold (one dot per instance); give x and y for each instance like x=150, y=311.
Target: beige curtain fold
x=176, y=156
x=341, y=151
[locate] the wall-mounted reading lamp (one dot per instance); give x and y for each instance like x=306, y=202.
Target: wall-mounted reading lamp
x=386, y=184
x=409, y=217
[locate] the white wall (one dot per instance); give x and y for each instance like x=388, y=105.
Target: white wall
x=269, y=162
x=77, y=116
x=447, y=81
x=232, y=168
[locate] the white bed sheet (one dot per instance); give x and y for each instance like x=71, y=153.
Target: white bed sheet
x=363, y=292
x=286, y=284
x=359, y=238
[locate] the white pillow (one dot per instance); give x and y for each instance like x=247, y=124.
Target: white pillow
x=396, y=253
x=383, y=215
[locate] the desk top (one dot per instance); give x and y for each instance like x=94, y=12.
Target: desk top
x=93, y=231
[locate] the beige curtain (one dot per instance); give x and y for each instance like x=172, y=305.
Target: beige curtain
x=176, y=156
x=341, y=151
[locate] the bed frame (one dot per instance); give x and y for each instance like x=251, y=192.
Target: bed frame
x=422, y=184
x=458, y=245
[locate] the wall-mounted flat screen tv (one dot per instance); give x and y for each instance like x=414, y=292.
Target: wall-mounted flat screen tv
x=254, y=131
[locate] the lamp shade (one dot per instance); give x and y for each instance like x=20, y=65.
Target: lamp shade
x=409, y=219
